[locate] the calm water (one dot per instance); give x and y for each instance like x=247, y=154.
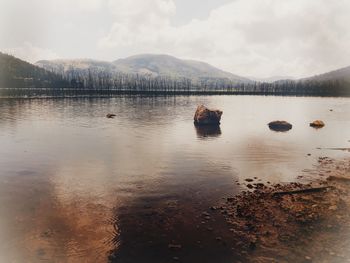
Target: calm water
x=78, y=187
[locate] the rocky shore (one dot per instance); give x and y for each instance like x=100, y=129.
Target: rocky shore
x=293, y=222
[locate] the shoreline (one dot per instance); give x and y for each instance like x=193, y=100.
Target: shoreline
x=293, y=222
x=290, y=222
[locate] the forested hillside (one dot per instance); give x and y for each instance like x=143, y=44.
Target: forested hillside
x=147, y=65
x=16, y=73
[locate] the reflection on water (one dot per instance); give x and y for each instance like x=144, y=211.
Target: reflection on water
x=78, y=187
x=204, y=131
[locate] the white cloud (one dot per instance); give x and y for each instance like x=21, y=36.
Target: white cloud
x=30, y=53
x=138, y=22
x=248, y=37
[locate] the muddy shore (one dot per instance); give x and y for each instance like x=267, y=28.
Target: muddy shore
x=293, y=222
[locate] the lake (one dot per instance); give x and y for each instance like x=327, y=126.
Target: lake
x=78, y=187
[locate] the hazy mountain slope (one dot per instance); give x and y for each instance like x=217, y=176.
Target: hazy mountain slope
x=16, y=73
x=339, y=74
x=154, y=65
x=62, y=65
x=164, y=65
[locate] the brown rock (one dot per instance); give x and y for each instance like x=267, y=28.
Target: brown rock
x=110, y=115
x=280, y=126
x=250, y=186
x=317, y=124
x=205, y=116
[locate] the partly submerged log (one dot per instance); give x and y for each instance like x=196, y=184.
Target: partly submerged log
x=280, y=126
x=205, y=116
x=304, y=191
x=317, y=124
x=338, y=178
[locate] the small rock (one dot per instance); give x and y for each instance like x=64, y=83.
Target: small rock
x=110, y=115
x=249, y=180
x=317, y=124
x=174, y=246
x=308, y=258
x=333, y=207
x=252, y=245
x=280, y=126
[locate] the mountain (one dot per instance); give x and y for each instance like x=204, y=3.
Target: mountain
x=16, y=73
x=64, y=65
x=342, y=74
x=165, y=65
x=132, y=75
x=147, y=64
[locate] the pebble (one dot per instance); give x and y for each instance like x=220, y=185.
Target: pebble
x=174, y=246
x=333, y=207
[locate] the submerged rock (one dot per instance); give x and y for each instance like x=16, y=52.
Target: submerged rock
x=205, y=116
x=110, y=115
x=317, y=124
x=205, y=131
x=280, y=126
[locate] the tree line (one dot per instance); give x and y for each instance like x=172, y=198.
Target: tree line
x=17, y=78
x=95, y=80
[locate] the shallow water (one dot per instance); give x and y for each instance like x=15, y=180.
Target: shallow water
x=78, y=187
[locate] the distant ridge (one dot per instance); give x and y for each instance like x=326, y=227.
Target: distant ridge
x=145, y=64
x=151, y=74
x=339, y=74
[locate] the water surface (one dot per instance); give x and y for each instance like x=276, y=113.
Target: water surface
x=78, y=187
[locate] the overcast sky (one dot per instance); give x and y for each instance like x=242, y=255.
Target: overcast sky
x=258, y=38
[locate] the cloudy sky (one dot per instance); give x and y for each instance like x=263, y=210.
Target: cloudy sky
x=258, y=38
